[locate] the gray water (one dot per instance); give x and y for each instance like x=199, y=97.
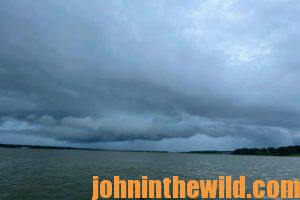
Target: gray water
x=27, y=174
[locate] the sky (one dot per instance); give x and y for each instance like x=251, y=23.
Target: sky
x=150, y=75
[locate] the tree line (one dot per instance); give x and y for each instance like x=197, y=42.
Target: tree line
x=281, y=151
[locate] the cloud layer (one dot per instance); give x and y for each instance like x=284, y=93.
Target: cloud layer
x=118, y=72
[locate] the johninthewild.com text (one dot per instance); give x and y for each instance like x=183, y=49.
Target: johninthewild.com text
x=174, y=187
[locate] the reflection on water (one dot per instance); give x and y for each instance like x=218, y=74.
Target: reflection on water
x=28, y=174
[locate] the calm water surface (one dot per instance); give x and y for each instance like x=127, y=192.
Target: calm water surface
x=27, y=174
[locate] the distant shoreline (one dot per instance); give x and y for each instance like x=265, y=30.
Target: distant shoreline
x=270, y=151
x=281, y=151
x=24, y=146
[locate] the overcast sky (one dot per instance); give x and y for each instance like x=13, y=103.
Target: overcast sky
x=151, y=75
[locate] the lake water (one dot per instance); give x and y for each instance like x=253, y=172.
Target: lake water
x=27, y=174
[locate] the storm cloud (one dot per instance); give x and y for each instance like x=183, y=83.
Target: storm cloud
x=142, y=74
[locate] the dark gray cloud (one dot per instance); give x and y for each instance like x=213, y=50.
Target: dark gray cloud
x=122, y=73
